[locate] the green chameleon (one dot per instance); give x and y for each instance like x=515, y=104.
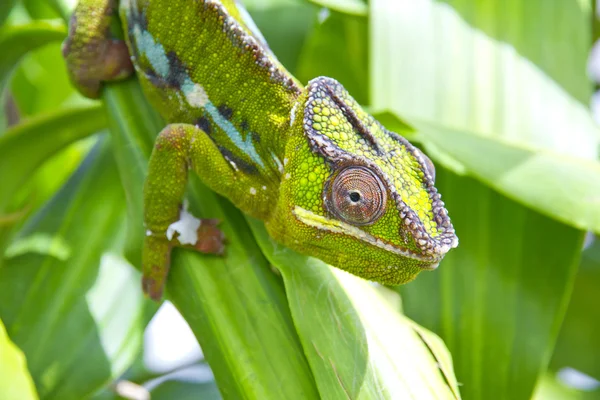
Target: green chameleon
x=327, y=179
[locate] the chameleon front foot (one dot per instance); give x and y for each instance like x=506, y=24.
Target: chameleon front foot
x=178, y=148
x=205, y=238
x=92, y=56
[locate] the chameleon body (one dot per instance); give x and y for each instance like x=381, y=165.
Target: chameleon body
x=326, y=177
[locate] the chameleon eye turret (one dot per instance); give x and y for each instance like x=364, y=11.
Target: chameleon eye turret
x=326, y=178
x=355, y=195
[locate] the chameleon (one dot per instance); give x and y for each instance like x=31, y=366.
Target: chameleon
x=327, y=178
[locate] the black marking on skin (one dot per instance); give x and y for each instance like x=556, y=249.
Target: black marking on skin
x=177, y=71
x=176, y=77
x=154, y=78
x=255, y=137
x=138, y=19
x=204, y=124
x=245, y=128
x=225, y=111
x=240, y=164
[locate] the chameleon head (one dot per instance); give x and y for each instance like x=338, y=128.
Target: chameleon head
x=357, y=196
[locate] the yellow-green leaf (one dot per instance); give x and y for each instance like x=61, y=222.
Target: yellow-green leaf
x=15, y=381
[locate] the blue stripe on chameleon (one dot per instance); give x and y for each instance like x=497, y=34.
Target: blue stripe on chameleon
x=246, y=146
x=157, y=57
x=155, y=52
x=188, y=86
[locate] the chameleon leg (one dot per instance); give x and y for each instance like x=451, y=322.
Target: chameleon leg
x=92, y=56
x=179, y=147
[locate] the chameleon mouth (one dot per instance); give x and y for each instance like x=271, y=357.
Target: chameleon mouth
x=327, y=224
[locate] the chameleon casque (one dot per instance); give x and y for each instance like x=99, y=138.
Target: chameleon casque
x=327, y=179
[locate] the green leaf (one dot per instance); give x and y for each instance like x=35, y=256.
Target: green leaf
x=577, y=346
x=78, y=318
x=63, y=7
x=523, y=174
x=552, y=389
x=352, y=7
x=40, y=83
x=511, y=116
x=237, y=309
x=16, y=41
x=133, y=127
x=32, y=138
x=40, y=9
x=234, y=304
x=490, y=67
x=285, y=26
x=39, y=138
x=338, y=47
x=186, y=391
x=5, y=9
x=499, y=298
x=40, y=243
x=15, y=381
x=357, y=345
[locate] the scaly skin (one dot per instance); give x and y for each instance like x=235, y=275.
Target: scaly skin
x=327, y=179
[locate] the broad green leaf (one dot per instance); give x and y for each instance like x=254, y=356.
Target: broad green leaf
x=5, y=8
x=40, y=9
x=352, y=7
x=237, y=309
x=16, y=41
x=552, y=389
x=524, y=174
x=79, y=317
x=578, y=346
x=63, y=7
x=133, y=127
x=234, y=304
x=46, y=180
x=285, y=26
x=40, y=83
x=15, y=381
x=492, y=69
x=338, y=48
x=498, y=299
x=489, y=67
x=357, y=345
x=181, y=390
x=25, y=147
x=39, y=138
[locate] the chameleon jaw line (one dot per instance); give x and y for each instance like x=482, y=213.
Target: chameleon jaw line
x=309, y=218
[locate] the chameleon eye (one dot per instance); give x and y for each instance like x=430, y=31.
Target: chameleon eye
x=428, y=164
x=356, y=195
